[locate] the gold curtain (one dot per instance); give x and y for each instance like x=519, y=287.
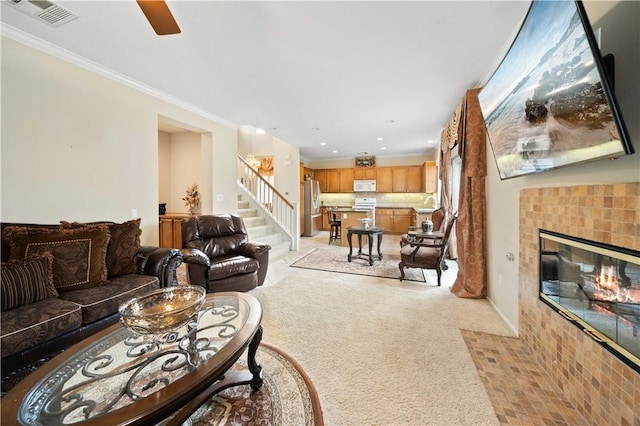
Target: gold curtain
x=448, y=141
x=471, y=225
x=266, y=166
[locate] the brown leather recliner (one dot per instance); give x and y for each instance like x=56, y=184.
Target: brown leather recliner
x=219, y=255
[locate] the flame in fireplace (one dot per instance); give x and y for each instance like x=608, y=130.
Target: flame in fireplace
x=607, y=287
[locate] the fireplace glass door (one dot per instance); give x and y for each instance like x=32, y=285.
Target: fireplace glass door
x=597, y=287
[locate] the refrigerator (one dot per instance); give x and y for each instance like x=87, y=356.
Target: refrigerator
x=312, y=215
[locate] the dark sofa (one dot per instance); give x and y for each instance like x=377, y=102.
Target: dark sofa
x=38, y=323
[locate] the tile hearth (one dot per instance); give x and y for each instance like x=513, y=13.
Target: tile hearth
x=520, y=391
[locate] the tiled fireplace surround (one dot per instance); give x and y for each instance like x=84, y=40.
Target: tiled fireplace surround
x=599, y=385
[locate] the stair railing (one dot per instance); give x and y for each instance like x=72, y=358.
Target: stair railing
x=272, y=203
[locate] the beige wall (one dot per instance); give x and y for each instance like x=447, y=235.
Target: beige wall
x=621, y=36
x=164, y=168
x=286, y=170
x=185, y=169
x=79, y=146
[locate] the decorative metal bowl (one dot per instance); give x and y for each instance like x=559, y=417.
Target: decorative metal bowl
x=162, y=311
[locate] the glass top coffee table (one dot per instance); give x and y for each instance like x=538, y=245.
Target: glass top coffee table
x=118, y=377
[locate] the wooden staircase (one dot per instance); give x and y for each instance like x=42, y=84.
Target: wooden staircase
x=259, y=230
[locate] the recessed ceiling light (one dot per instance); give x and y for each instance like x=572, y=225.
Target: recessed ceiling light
x=260, y=131
x=335, y=151
x=323, y=143
x=383, y=148
x=379, y=139
x=429, y=141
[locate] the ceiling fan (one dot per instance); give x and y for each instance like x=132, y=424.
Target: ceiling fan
x=159, y=16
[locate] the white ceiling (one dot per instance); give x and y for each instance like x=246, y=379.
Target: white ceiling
x=306, y=72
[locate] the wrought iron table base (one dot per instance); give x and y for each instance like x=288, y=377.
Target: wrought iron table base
x=231, y=378
x=370, y=232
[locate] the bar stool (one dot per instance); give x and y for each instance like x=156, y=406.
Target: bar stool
x=335, y=229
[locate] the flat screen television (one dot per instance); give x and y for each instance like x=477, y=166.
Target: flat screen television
x=550, y=102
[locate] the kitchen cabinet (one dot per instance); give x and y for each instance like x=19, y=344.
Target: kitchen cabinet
x=384, y=219
x=394, y=221
x=384, y=179
x=346, y=180
x=367, y=173
x=406, y=179
x=402, y=219
x=339, y=180
x=414, y=179
x=308, y=173
x=397, y=179
x=333, y=180
x=321, y=177
x=430, y=177
x=170, y=230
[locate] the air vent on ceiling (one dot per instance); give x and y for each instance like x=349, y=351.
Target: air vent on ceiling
x=44, y=11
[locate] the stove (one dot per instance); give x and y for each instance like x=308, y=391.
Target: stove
x=364, y=204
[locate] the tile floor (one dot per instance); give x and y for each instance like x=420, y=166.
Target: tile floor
x=518, y=388
x=520, y=391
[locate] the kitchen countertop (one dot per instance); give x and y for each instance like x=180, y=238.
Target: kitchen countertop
x=419, y=210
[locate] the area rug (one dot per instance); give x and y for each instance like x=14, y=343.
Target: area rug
x=287, y=396
x=333, y=260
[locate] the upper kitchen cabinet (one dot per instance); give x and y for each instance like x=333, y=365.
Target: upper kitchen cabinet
x=384, y=179
x=407, y=179
x=321, y=177
x=430, y=176
x=366, y=173
x=339, y=180
x=399, y=180
x=346, y=180
x=414, y=179
x=333, y=180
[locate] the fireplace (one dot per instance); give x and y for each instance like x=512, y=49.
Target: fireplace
x=596, y=287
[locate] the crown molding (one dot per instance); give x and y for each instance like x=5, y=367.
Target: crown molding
x=44, y=46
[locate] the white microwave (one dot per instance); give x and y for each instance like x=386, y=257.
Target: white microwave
x=364, y=186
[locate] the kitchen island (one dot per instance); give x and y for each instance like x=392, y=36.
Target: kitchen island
x=348, y=217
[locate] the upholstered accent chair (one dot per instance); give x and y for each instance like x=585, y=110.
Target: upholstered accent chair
x=426, y=255
x=219, y=256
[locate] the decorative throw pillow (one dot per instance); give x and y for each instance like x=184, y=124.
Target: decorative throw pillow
x=28, y=281
x=78, y=254
x=123, y=246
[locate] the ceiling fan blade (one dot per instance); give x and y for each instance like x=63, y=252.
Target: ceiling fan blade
x=159, y=16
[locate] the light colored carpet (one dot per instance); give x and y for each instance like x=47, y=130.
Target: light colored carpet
x=380, y=352
x=335, y=260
